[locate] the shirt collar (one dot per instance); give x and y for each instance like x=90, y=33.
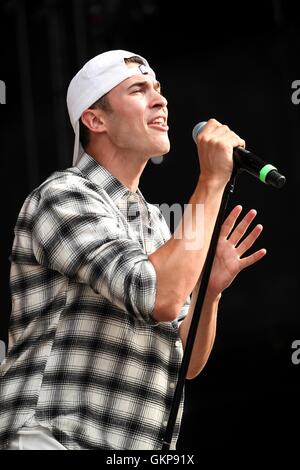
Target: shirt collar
x=102, y=177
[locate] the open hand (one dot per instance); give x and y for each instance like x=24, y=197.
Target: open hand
x=228, y=260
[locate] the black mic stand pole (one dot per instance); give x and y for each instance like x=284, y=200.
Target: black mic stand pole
x=197, y=312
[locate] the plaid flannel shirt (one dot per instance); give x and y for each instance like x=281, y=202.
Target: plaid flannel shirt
x=85, y=357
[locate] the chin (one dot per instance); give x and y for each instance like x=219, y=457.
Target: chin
x=161, y=149
x=157, y=147
x=159, y=154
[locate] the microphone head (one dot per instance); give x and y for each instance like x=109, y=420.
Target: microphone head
x=197, y=129
x=274, y=178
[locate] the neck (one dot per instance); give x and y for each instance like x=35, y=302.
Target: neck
x=127, y=168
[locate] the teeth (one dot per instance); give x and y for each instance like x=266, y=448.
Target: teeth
x=158, y=121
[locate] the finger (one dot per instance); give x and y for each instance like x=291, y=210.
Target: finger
x=242, y=227
x=211, y=126
x=243, y=143
x=207, y=130
x=249, y=240
x=233, y=139
x=251, y=259
x=230, y=220
x=228, y=136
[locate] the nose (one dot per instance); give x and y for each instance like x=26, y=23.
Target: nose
x=159, y=100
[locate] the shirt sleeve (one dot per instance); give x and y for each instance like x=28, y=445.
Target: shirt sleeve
x=76, y=233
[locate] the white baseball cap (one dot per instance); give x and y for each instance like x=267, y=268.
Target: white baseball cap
x=96, y=78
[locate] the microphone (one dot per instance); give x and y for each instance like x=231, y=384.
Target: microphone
x=251, y=163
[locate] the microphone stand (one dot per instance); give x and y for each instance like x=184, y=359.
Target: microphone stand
x=197, y=312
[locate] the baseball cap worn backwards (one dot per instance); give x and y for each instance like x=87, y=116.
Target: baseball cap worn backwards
x=96, y=78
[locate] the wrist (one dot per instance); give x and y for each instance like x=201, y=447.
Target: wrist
x=213, y=297
x=212, y=183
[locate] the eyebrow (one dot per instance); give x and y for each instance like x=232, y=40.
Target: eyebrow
x=156, y=85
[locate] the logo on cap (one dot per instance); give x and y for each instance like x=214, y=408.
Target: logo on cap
x=144, y=69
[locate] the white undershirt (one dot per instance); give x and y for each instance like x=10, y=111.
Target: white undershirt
x=35, y=438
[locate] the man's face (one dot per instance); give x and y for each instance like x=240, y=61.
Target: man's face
x=138, y=120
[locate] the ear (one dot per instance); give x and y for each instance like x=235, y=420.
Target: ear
x=94, y=120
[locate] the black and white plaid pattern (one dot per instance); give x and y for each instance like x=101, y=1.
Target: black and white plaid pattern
x=85, y=358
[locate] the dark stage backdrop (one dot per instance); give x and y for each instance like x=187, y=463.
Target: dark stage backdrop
x=239, y=66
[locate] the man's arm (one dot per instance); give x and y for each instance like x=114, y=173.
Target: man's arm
x=206, y=331
x=179, y=262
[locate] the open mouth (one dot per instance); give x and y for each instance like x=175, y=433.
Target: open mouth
x=159, y=123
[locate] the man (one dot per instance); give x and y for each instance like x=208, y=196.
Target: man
x=100, y=289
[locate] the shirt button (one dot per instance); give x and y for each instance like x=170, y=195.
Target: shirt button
x=172, y=385
x=165, y=423
x=177, y=344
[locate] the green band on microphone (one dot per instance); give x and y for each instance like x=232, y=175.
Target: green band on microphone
x=265, y=171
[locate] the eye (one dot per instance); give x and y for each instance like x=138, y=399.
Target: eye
x=138, y=90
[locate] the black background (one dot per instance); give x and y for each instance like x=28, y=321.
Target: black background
x=235, y=63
